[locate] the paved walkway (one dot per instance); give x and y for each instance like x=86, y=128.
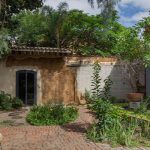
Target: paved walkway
x=68, y=137
x=13, y=118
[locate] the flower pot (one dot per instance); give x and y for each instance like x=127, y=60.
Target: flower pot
x=135, y=97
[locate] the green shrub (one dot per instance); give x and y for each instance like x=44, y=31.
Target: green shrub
x=51, y=115
x=17, y=103
x=143, y=106
x=9, y=103
x=5, y=101
x=116, y=125
x=107, y=88
x=97, y=90
x=96, y=80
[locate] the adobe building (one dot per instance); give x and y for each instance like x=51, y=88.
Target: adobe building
x=39, y=75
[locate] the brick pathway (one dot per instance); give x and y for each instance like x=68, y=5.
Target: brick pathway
x=68, y=137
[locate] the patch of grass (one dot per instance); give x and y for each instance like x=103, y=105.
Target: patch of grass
x=51, y=115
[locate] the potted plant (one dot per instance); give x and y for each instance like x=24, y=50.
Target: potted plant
x=133, y=71
x=135, y=97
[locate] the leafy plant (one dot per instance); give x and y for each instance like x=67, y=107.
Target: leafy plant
x=88, y=96
x=116, y=125
x=51, y=115
x=97, y=90
x=113, y=124
x=5, y=101
x=106, y=90
x=7, y=9
x=96, y=81
x=4, y=42
x=8, y=103
x=143, y=106
x=17, y=103
x=62, y=28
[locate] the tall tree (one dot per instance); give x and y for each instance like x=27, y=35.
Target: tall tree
x=8, y=8
x=107, y=7
x=61, y=15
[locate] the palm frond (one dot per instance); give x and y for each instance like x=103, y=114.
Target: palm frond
x=47, y=10
x=107, y=7
x=63, y=6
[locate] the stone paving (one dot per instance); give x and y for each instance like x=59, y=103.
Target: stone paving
x=67, y=137
x=13, y=118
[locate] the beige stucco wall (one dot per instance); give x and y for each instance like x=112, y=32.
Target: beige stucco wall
x=8, y=78
x=55, y=81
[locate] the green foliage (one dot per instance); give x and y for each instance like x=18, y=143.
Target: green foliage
x=16, y=103
x=7, y=9
x=8, y=103
x=116, y=125
x=128, y=45
x=87, y=96
x=5, y=101
x=4, y=42
x=41, y=27
x=143, y=106
x=106, y=90
x=142, y=28
x=96, y=81
x=32, y=26
x=89, y=35
x=97, y=90
x=61, y=28
x=51, y=115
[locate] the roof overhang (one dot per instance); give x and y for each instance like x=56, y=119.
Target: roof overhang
x=39, y=51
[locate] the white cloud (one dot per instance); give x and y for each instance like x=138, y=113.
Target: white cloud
x=135, y=18
x=144, y=4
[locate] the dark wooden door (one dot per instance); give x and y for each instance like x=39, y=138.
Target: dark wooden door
x=26, y=86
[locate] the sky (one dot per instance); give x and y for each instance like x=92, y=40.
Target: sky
x=130, y=11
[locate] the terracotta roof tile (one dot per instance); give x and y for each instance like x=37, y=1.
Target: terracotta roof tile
x=40, y=49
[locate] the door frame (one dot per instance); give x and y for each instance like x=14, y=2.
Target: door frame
x=35, y=84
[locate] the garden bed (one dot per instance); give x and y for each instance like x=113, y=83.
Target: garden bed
x=51, y=115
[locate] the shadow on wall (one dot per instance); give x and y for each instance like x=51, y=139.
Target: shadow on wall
x=121, y=79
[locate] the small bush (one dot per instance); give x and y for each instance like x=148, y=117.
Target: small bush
x=17, y=103
x=5, y=101
x=51, y=115
x=116, y=125
x=9, y=103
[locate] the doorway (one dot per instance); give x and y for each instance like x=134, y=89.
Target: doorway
x=26, y=86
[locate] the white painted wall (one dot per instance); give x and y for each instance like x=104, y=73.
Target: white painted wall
x=120, y=88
